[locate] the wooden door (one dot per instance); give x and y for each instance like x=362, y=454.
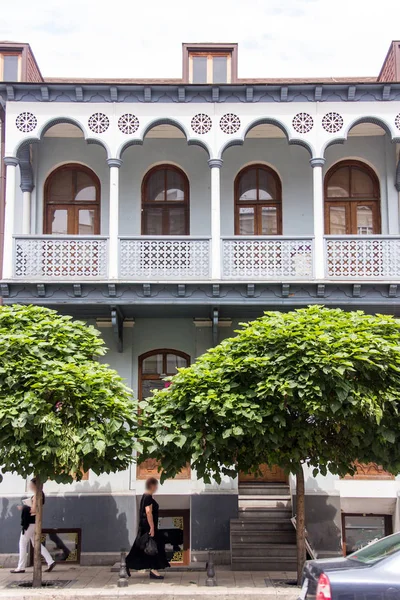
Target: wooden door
x=272, y=474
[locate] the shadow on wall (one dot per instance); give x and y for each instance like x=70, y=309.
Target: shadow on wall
x=108, y=522
x=323, y=521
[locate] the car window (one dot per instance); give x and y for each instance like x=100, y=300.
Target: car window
x=376, y=551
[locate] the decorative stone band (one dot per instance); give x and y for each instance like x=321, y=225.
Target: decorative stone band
x=215, y=163
x=317, y=162
x=25, y=166
x=114, y=162
x=11, y=161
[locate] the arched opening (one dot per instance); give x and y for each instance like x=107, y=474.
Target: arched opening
x=72, y=201
x=352, y=199
x=154, y=366
x=165, y=201
x=258, y=201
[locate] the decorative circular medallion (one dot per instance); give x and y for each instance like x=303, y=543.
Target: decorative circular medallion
x=332, y=122
x=26, y=121
x=201, y=123
x=397, y=121
x=302, y=122
x=128, y=123
x=229, y=123
x=98, y=123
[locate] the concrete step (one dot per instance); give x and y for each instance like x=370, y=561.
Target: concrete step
x=262, y=564
x=263, y=537
x=256, y=489
x=264, y=513
x=249, y=525
x=258, y=550
x=265, y=501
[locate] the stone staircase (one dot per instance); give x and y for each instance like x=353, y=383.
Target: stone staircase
x=263, y=537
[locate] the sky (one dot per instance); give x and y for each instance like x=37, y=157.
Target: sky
x=143, y=38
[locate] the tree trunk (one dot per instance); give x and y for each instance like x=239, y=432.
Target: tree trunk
x=300, y=524
x=37, y=558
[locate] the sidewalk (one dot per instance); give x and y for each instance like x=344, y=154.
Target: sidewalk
x=100, y=582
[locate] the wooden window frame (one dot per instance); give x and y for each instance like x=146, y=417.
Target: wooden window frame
x=388, y=525
x=210, y=67
x=4, y=53
x=230, y=50
x=165, y=205
x=352, y=201
x=72, y=207
x=258, y=204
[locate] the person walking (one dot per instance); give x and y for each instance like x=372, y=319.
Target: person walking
x=137, y=559
x=28, y=519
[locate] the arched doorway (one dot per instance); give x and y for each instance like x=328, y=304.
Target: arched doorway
x=154, y=366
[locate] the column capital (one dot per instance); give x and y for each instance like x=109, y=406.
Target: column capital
x=11, y=161
x=215, y=163
x=317, y=162
x=114, y=162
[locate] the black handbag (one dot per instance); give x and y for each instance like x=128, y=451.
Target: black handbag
x=148, y=545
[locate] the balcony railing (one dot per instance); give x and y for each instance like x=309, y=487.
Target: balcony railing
x=248, y=258
x=165, y=258
x=60, y=257
x=366, y=257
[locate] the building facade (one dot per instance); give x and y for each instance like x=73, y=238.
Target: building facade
x=165, y=213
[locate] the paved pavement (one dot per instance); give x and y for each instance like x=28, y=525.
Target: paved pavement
x=101, y=583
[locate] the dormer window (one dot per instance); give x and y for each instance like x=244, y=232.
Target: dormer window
x=209, y=64
x=10, y=67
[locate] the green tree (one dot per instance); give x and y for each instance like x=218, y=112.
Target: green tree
x=316, y=387
x=61, y=411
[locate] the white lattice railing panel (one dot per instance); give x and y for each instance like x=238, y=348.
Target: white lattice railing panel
x=375, y=257
x=60, y=257
x=164, y=257
x=267, y=258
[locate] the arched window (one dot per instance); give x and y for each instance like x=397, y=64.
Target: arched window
x=72, y=201
x=165, y=202
x=154, y=366
x=258, y=202
x=352, y=200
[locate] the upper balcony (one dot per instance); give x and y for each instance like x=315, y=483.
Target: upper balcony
x=246, y=210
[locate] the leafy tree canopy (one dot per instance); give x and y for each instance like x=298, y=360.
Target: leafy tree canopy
x=61, y=411
x=317, y=386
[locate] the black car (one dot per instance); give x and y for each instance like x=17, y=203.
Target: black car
x=373, y=572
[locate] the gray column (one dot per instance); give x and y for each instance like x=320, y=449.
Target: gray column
x=318, y=209
x=113, y=263
x=11, y=163
x=215, y=165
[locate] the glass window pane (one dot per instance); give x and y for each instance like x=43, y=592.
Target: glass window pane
x=339, y=184
x=177, y=221
x=175, y=186
x=60, y=187
x=267, y=186
x=10, y=68
x=269, y=220
x=175, y=362
x=85, y=188
x=360, y=531
x=153, y=365
x=86, y=224
x=337, y=220
x=365, y=220
x=155, y=189
x=246, y=220
x=199, y=69
x=59, y=221
x=248, y=186
x=361, y=184
x=220, y=69
x=148, y=385
x=152, y=221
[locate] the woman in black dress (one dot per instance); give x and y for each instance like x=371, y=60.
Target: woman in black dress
x=148, y=523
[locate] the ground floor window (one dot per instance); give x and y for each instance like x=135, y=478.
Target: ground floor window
x=358, y=530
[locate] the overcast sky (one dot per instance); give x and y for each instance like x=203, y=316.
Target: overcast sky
x=142, y=38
